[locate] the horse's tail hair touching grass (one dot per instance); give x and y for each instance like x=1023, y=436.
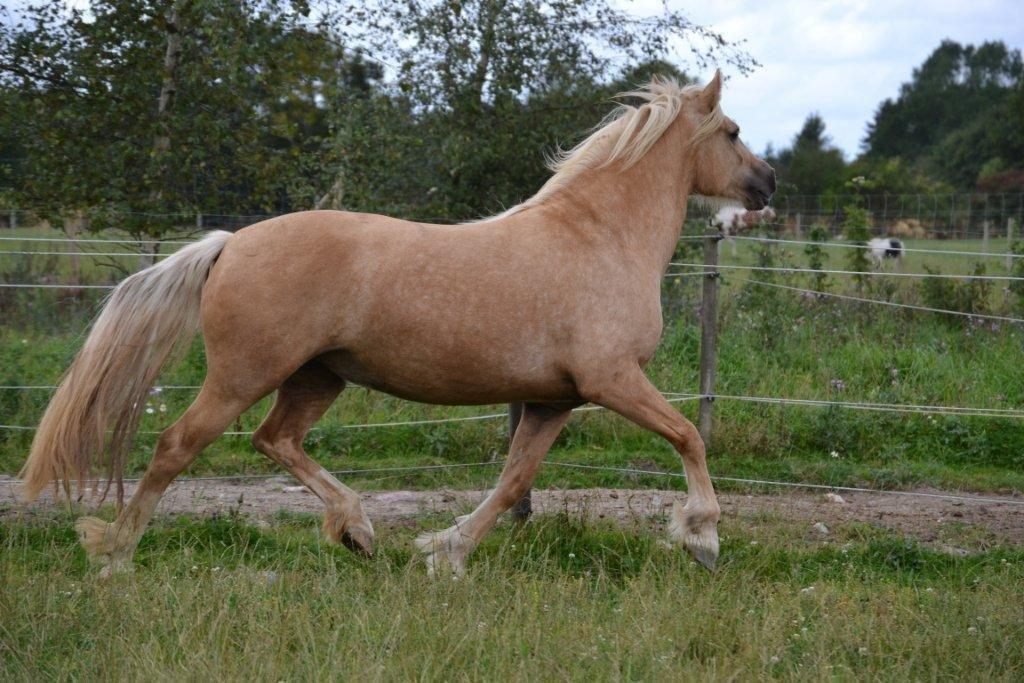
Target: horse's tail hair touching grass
x=150, y=317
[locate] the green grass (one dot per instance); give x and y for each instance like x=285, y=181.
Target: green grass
x=563, y=599
x=218, y=599
x=771, y=344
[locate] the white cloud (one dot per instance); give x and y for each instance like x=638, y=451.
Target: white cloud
x=837, y=58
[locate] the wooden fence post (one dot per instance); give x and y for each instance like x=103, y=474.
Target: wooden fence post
x=524, y=506
x=708, y=334
x=799, y=228
x=1009, y=244
x=984, y=234
x=14, y=219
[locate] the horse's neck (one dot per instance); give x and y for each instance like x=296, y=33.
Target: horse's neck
x=640, y=209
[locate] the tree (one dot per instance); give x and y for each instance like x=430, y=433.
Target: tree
x=486, y=87
x=957, y=113
x=138, y=107
x=132, y=109
x=812, y=164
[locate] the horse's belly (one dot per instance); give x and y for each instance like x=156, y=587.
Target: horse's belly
x=461, y=379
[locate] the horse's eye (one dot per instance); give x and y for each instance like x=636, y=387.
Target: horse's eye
x=735, y=135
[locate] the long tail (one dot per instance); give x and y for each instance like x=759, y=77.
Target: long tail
x=148, y=318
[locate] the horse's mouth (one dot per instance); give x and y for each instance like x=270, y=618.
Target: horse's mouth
x=760, y=188
x=756, y=199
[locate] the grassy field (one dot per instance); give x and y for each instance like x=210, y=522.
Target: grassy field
x=772, y=343
x=218, y=599
x=224, y=598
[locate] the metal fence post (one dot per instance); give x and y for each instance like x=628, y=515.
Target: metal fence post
x=524, y=506
x=708, y=335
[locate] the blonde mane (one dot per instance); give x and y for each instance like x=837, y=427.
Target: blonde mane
x=624, y=136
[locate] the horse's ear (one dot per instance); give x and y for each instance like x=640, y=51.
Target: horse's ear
x=711, y=93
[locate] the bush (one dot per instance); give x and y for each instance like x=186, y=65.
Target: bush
x=968, y=296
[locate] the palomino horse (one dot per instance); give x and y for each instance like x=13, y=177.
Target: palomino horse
x=553, y=303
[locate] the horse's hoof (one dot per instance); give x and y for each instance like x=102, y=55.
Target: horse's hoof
x=445, y=551
x=699, y=536
x=356, y=535
x=706, y=556
x=358, y=539
x=92, y=535
x=116, y=568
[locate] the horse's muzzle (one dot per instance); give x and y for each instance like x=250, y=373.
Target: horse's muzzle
x=760, y=189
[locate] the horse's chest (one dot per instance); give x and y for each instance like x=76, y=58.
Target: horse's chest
x=632, y=329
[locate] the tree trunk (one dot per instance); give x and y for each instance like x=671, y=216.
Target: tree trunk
x=332, y=199
x=493, y=11
x=169, y=88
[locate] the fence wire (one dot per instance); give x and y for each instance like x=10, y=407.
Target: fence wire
x=871, y=273
x=842, y=245
x=881, y=302
x=182, y=482
x=672, y=397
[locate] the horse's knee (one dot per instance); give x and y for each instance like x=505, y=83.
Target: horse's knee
x=687, y=439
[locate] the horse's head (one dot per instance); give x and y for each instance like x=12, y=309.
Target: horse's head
x=725, y=168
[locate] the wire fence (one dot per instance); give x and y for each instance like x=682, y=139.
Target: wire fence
x=936, y=216
x=844, y=245
x=184, y=482
x=705, y=270
x=939, y=216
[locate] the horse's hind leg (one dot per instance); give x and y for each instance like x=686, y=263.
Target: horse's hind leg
x=112, y=545
x=301, y=401
x=537, y=430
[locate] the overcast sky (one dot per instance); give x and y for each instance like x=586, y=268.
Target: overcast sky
x=837, y=58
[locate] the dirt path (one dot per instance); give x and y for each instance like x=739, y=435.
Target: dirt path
x=948, y=523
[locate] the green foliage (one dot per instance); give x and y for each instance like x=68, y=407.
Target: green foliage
x=816, y=254
x=968, y=296
x=561, y=598
x=894, y=176
x=811, y=164
x=485, y=89
x=857, y=227
x=960, y=110
x=1017, y=270
x=240, y=130
x=957, y=124
x=266, y=107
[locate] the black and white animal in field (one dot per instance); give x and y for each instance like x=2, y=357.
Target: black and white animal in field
x=882, y=248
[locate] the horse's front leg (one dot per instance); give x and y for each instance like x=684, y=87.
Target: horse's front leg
x=538, y=428
x=629, y=393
